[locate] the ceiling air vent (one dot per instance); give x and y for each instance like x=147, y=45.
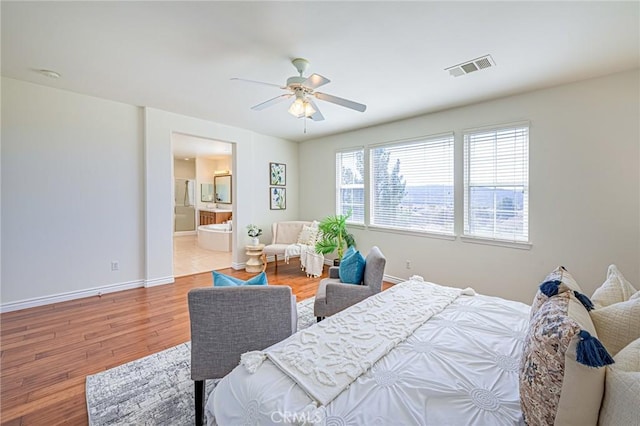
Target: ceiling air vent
x=471, y=66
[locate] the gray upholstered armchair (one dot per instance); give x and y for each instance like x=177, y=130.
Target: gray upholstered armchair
x=229, y=321
x=333, y=296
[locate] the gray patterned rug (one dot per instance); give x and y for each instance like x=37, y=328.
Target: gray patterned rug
x=154, y=390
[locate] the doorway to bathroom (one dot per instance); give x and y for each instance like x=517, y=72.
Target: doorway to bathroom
x=203, y=218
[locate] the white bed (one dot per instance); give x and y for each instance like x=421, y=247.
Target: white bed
x=458, y=368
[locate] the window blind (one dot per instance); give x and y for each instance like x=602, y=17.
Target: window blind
x=496, y=183
x=350, y=184
x=412, y=185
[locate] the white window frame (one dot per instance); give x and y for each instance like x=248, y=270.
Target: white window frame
x=340, y=186
x=450, y=234
x=514, y=240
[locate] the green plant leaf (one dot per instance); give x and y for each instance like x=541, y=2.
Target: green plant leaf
x=335, y=236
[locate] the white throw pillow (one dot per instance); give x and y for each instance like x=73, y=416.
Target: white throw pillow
x=618, y=324
x=614, y=290
x=308, y=235
x=622, y=386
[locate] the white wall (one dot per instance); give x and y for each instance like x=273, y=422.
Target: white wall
x=72, y=192
x=87, y=181
x=204, y=174
x=584, y=189
x=222, y=164
x=184, y=169
x=205, y=169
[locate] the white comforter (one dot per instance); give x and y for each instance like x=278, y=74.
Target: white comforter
x=459, y=368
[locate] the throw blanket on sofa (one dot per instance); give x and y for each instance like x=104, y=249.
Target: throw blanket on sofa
x=326, y=358
x=310, y=261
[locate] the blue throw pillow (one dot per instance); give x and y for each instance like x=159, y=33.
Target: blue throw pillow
x=351, y=250
x=222, y=280
x=351, y=267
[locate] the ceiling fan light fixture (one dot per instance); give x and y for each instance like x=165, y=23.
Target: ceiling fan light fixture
x=297, y=108
x=301, y=108
x=308, y=109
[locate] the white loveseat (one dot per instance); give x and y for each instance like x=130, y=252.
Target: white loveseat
x=284, y=233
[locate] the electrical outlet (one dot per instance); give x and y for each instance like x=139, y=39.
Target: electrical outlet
x=408, y=264
x=115, y=265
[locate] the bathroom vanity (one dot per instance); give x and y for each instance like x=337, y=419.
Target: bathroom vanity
x=207, y=217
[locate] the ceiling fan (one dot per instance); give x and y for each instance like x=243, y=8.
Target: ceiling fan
x=303, y=89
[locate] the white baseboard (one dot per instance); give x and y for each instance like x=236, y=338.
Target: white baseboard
x=393, y=280
x=238, y=266
x=71, y=295
x=159, y=281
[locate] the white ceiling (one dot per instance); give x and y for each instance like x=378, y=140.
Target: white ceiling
x=187, y=146
x=180, y=56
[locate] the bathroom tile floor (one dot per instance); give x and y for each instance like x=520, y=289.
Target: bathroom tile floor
x=189, y=259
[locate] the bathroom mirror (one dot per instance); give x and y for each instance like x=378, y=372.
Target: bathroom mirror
x=206, y=192
x=222, y=189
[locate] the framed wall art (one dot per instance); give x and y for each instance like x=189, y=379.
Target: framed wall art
x=278, y=198
x=278, y=174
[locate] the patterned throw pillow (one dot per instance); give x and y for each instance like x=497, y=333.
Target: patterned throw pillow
x=222, y=280
x=308, y=235
x=351, y=267
x=614, y=290
x=558, y=281
x=558, y=381
x=618, y=324
x=622, y=386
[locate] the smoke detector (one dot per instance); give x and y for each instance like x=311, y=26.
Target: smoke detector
x=473, y=65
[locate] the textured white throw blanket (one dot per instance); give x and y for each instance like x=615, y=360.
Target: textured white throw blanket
x=326, y=358
x=310, y=261
x=292, y=250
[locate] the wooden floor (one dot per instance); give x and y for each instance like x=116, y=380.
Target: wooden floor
x=47, y=351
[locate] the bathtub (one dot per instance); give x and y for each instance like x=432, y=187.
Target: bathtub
x=215, y=237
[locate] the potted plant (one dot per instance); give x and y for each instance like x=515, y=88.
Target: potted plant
x=334, y=236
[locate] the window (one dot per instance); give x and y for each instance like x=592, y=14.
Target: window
x=496, y=183
x=412, y=185
x=350, y=184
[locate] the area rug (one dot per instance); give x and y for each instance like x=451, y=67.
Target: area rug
x=157, y=389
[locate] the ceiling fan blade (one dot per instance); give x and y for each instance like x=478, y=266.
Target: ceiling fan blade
x=315, y=80
x=258, y=82
x=271, y=101
x=317, y=116
x=340, y=101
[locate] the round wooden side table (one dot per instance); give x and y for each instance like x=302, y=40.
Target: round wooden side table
x=256, y=261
